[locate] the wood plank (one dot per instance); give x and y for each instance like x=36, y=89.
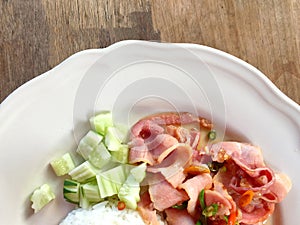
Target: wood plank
x=263, y=33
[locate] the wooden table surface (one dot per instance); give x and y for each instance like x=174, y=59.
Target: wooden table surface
x=36, y=35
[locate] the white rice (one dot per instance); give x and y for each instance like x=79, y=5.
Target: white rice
x=104, y=213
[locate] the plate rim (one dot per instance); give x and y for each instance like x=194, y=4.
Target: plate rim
x=261, y=77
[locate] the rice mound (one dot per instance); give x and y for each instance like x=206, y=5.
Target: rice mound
x=104, y=213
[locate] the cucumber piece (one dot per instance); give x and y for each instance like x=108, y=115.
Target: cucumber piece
x=130, y=192
x=122, y=132
x=62, y=165
x=120, y=156
x=110, y=181
x=83, y=172
x=106, y=187
x=83, y=201
x=91, y=191
x=88, y=143
x=100, y=156
x=41, y=197
x=101, y=122
x=71, y=191
x=139, y=172
x=112, y=141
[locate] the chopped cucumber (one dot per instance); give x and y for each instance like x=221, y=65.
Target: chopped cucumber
x=104, y=173
x=101, y=122
x=120, y=156
x=71, y=191
x=130, y=192
x=62, y=165
x=83, y=172
x=106, y=187
x=112, y=140
x=91, y=191
x=83, y=201
x=139, y=172
x=41, y=197
x=122, y=132
x=88, y=143
x=100, y=156
x=110, y=181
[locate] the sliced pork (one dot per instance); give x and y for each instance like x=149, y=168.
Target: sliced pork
x=179, y=217
x=164, y=195
x=172, y=167
x=146, y=210
x=139, y=152
x=174, y=118
x=233, y=175
x=152, y=152
x=220, y=195
x=254, y=186
x=193, y=187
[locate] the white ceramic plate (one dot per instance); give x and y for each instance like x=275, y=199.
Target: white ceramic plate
x=46, y=116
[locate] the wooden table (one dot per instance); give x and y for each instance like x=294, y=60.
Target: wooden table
x=36, y=35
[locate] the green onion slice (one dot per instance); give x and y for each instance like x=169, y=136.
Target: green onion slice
x=181, y=206
x=212, y=135
x=201, y=199
x=210, y=210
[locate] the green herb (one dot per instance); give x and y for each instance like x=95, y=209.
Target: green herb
x=181, y=206
x=212, y=135
x=201, y=199
x=226, y=219
x=203, y=219
x=210, y=210
x=198, y=222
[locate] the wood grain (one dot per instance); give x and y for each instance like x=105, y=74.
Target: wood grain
x=37, y=35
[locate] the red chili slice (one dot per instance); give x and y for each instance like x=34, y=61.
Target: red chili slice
x=121, y=205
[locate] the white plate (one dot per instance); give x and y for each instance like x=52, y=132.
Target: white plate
x=46, y=116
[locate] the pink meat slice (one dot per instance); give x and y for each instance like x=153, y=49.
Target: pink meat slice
x=173, y=118
x=184, y=135
x=152, y=152
x=254, y=213
x=251, y=167
x=141, y=133
x=195, y=138
x=249, y=172
x=151, y=144
x=281, y=187
x=146, y=210
x=215, y=197
x=179, y=217
x=193, y=187
x=164, y=195
x=172, y=167
x=228, y=204
x=146, y=129
x=154, y=124
x=242, y=153
x=139, y=152
x=162, y=146
x=259, y=213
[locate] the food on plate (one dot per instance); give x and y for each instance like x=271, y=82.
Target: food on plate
x=41, y=196
x=172, y=168
x=208, y=182
x=62, y=165
x=105, y=212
